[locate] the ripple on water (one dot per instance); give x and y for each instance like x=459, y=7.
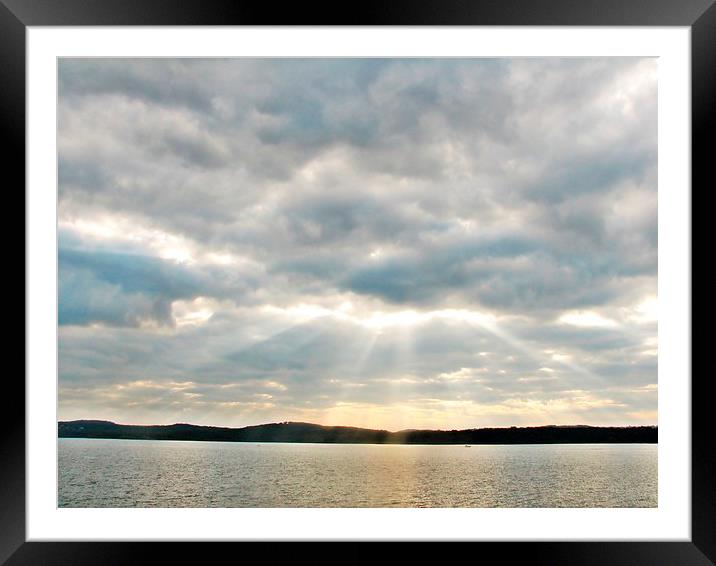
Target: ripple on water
x=137, y=473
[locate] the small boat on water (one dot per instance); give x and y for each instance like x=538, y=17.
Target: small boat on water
x=468, y=446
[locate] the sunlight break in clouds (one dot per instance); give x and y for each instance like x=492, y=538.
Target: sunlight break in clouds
x=391, y=243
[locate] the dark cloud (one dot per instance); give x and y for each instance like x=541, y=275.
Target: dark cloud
x=126, y=289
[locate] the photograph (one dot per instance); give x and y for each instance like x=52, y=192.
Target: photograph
x=357, y=282
x=421, y=273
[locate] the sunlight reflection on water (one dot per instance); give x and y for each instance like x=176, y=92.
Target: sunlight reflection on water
x=138, y=473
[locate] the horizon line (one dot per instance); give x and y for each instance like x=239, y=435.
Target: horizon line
x=507, y=427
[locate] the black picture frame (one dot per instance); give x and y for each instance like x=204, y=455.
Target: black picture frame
x=17, y=15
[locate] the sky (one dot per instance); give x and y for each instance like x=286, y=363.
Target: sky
x=387, y=243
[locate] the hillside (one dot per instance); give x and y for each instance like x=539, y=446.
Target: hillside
x=308, y=432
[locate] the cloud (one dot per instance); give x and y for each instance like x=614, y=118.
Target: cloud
x=310, y=366
x=232, y=223
x=122, y=288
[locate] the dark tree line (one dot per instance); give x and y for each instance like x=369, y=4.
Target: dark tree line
x=307, y=432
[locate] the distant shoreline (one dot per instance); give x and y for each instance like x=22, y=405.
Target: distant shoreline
x=296, y=432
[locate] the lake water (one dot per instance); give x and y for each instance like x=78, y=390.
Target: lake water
x=139, y=473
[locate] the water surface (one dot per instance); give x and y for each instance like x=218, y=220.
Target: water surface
x=154, y=473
